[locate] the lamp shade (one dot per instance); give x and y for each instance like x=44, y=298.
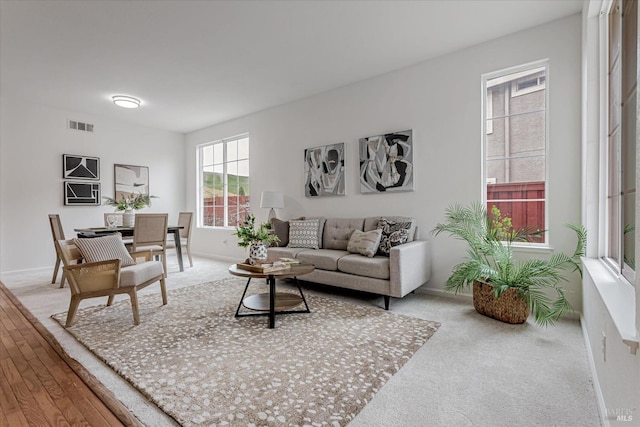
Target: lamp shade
x=272, y=199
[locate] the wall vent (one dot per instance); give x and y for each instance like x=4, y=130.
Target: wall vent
x=80, y=126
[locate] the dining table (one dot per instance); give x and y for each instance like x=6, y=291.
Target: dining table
x=128, y=231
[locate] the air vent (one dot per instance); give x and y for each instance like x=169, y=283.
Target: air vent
x=80, y=126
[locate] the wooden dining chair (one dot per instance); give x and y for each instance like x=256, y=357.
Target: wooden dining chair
x=150, y=234
x=58, y=234
x=117, y=272
x=184, y=220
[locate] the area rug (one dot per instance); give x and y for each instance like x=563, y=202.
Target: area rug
x=203, y=366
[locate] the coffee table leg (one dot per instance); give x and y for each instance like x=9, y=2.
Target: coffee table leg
x=272, y=301
x=242, y=299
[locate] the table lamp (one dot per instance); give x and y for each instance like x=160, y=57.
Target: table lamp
x=273, y=200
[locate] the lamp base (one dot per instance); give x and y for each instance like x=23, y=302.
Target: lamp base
x=272, y=214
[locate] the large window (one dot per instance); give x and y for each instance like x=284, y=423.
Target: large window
x=223, y=182
x=621, y=136
x=515, y=146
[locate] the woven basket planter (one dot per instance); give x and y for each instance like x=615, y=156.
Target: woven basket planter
x=509, y=308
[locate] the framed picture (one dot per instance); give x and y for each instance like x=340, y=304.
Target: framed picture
x=129, y=180
x=80, y=167
x=324, y=171
x=81, y=193
x=386, y=162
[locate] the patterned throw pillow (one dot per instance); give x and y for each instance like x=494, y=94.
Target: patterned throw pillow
x=104, y=248
x=364, y=242
x=304, y=233
x=393, y=234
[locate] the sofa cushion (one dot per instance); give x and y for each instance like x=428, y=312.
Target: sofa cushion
x=275, y=253
x=281, y=229
x=376, y=267
x=371, y=223
x=337, y=232
x=304, y=233
x=394, y=233
x=323, y=259
x=364, y=242
x=104, y=248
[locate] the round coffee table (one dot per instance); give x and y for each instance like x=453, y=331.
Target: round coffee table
x=272, y=302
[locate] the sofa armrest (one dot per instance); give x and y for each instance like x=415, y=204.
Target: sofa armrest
x=409, y=267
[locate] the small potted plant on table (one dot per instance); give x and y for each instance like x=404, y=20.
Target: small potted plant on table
x=505, y=288
x=257, y=239
x=128, y=204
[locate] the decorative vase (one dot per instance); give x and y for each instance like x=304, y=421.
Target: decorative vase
x=257, y=253
x=509, y=308
x=128, y=218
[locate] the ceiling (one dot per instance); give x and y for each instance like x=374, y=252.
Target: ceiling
x=198, y=63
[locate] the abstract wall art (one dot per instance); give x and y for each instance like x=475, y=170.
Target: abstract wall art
x=80, y=167
x=130, y=180
x=386, y=162
x=81, y=193
x=324, y=171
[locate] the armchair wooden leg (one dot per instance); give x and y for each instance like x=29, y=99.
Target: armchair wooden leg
x=110, y=300
x=164, y=263
x=55, y=271
x=163, y=289
x=64, y=276
x=134, y=306
x=73, y=308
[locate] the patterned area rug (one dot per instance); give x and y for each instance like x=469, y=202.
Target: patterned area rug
x=203, y=366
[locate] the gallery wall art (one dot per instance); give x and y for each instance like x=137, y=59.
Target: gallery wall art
x=130, y=180
x=80, y=167
x=81, y=193
x=386, y=162
x=324, y=171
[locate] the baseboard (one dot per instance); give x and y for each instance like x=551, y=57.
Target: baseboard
x=31, y=270
x=231, y=260
x=574, y=315
x=602, y=407
x=445, y=294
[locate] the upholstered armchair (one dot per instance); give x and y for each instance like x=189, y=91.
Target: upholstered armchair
x=110, y=270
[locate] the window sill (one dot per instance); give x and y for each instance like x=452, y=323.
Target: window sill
x=619, y=299
x=531, y=248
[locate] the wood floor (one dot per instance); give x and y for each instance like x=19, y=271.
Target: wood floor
x=40, y=385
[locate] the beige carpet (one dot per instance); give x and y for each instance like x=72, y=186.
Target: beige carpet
x=203, y=366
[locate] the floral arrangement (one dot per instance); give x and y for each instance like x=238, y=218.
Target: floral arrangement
x=248, y=234
x=134, y=201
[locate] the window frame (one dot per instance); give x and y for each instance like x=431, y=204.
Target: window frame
x=225, y=163
x=617, y=263
x=523, y=70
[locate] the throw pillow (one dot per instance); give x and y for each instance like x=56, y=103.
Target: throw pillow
x=280, y=229
x=304, y=233
x=104, y=248
x=393, y=234
x=364, y=242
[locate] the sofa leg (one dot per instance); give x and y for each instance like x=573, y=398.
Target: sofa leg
x=386, y=301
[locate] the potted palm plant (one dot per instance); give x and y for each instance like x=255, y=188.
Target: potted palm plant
x=257, y=239
x=503, y=287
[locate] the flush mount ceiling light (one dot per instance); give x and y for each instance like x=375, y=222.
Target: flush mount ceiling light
x=126, y=101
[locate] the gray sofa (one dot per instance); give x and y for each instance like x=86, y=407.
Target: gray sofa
x=407, y=267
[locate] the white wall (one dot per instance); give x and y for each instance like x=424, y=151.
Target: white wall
x=440, y=100
x=33, y=139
